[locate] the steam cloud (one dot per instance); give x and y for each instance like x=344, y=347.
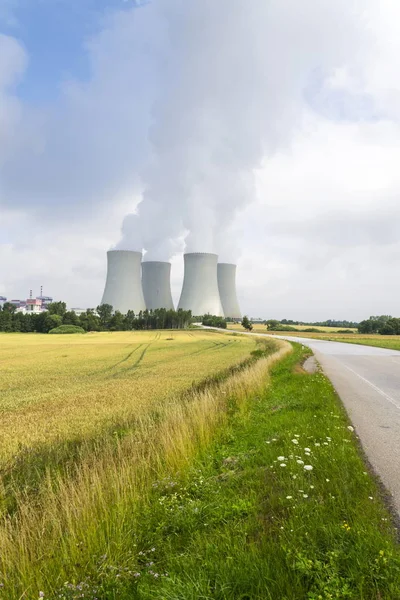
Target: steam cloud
x=185, y=100
x=228, y=90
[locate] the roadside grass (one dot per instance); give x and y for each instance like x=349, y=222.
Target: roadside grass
x=279, y=506
x=79, y=520
x=60, y=388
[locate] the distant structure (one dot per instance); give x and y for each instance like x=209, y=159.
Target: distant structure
x=200, y=292
x=123, y=288
x=156, y=283
x=227, y=290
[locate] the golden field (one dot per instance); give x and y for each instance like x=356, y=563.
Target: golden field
x=54, y=388
x=63, y=505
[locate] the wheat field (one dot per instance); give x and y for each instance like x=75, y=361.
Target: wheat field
x=54, y=388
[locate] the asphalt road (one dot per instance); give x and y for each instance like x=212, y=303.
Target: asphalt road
x=367, y=380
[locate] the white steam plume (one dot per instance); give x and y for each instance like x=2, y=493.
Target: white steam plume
x=230, y=91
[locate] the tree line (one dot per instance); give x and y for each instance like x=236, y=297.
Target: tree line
x=383, y=325
x=104, y=318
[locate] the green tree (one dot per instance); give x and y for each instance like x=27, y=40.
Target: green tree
x=70, y=318
x=57, y=308
x=8, y=307
x=51, y=321
x=105, y=312
x=246, y=323
x=272, y=324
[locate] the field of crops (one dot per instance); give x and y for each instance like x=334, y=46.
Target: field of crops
x=62, y=387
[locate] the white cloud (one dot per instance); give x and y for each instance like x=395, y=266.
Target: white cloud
x=316, y=93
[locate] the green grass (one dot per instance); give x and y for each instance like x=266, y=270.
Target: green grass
x=236, y=525
x=239, y=525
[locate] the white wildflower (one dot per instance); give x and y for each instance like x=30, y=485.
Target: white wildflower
x=350, y=428
x=305, y=495
x=289, y=497
x=283, y=464
x=294, y=441
x=308, y=467
x=307, y=450
x=281, y=458
x=300, y=462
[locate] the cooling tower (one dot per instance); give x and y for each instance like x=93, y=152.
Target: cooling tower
x=156, y=285
x=227, y=290
x=124, y=286
x=200, y=285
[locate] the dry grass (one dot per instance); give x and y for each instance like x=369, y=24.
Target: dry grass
x=94, y=509
x=60, y=387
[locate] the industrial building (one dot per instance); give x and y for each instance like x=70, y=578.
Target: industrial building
x=124, y=283
x=156, y=282
x=227, y=290
x=200, y=292
x=208, y=287
x=30, y=305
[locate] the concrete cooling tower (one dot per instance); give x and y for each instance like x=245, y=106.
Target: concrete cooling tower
x=156, y=282
x=123, y=285
x=227, y=290
x=200, y=292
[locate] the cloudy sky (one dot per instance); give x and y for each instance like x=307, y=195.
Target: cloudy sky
x=267, y=131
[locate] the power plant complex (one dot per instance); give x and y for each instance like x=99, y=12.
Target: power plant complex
x=208, y=287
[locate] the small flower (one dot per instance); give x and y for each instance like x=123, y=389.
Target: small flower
x=317, y=444
x=370, y=497
x=289, y=497
x=307, y=450
x=295, y=441
x=281, y=458
x=300, y=462
x=41, y=594
x=296, y=435
x=327, y=480
x=305, y=495
x=308, y=467
x=311, y=487
x=283, y=464
x=294, y=476
x=350, y=428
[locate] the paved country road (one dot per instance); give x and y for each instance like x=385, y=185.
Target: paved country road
x=367, y=380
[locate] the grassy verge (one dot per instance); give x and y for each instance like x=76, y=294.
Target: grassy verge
x=249, y=519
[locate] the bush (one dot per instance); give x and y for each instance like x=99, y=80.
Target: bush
x=213, y=321
x=313, y=330
x=345, y=331
x=67, y=329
